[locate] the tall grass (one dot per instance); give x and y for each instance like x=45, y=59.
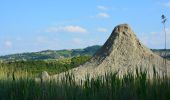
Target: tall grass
x=11, y=73
x=108, y=87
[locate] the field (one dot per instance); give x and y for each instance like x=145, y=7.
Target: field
x=19, y=84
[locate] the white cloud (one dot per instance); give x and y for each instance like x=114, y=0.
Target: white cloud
x=167, y=4
x=75, y=29
x=103, y=15
x=19, y=39
x=102, y=7
x=41, y=39
x=156, y=39
x=102, y=30
x=8, y=44
x=77, y=41
x=44, y=42
x=70, y=29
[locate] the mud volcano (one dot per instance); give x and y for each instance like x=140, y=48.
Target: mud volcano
x=121, y=53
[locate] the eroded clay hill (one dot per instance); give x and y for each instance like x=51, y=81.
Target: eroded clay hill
x=121, y=53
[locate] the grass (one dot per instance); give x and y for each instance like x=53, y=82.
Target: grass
x=108, y=87
x=17, y=83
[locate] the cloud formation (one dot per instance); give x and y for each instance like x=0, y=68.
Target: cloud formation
x=77, y=41
x=102, y=7
x=70, y=29
x=8, y=44
x=102, y=30
x=167, y=4
x=41, y=40
x=103, y=15
x=156, y=39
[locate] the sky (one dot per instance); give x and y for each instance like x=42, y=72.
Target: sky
x=35, y=25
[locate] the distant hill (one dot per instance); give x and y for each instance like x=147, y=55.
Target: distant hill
x=51, y=54
x=57, y=54
x=161, y=52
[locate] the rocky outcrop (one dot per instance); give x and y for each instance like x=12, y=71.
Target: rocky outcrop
x=121, y=53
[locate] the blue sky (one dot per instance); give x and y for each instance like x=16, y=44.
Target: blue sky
x=35, y=25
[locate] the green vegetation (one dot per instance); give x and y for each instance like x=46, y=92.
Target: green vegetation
x=51, y=66
x=50, y=54
x=17, y=81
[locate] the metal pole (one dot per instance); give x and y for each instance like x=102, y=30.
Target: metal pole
x=165, y=43
x=164, y=21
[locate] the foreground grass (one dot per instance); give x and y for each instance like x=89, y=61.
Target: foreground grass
x=109, y=87
x=19, y=84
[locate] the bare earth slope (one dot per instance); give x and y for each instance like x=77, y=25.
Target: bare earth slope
x=122, y=52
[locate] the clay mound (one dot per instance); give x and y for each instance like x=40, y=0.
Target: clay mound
x=121, y=53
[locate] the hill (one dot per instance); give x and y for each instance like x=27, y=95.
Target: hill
x=51, y=54
x=161, y=52
x=57, y=54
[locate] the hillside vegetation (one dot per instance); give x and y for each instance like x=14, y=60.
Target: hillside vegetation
x=51, y=66
x=51, y=54
x=57, y=54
